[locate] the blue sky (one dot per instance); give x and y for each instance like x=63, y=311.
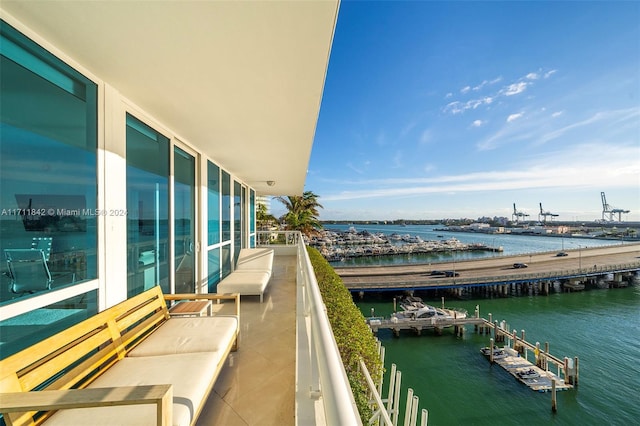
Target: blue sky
x=460, y=109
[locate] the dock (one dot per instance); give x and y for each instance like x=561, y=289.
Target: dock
x=517, y=348
x=513, y=363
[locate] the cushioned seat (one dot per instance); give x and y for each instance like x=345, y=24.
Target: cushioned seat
x=255, y=260
x=192, y=376
x=188, y=335
x=247, y=283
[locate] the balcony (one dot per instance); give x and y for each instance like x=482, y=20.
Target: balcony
x=288, y=370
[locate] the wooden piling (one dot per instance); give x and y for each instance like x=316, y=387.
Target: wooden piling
x=575, y=372
x=554, y=404
x=491, y=351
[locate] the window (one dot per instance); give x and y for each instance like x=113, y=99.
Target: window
x=48, y=184
x=213, y=204
x=252, y=218
x=237, y=219
x=213, y=261
x=147, y=208
x=24, y=330
x=226, y=206
x=184, y=220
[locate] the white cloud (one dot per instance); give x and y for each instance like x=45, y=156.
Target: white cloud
x=354, y=168
x=557, y=114
x=617, y=116
x=459, y=107
x=549, y=73
x=514, y=117
x=615, y=167
x=477, y=123
x=515, y=88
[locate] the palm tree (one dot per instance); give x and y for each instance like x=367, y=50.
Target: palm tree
x=302, y=212
x=264, y=220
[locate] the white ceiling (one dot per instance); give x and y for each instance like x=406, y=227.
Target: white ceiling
x=241, y=80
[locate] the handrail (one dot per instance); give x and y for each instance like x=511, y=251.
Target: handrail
x=322, y=367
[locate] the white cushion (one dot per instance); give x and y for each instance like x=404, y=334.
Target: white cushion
x=247, y=254
x=255, y=259
x=246, y=283
x=190, y=374
x=192, y=334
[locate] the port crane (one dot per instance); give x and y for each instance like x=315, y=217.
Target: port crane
x=517, y=215
x=544, y=215
x=611, y=211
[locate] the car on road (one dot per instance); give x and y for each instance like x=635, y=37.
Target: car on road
x=562, y=254
x=451, y=274
x=438, y=273
x=520, y=265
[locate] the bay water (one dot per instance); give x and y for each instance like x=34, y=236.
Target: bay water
x=458, y=386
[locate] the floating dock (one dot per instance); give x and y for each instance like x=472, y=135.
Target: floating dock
x=513, y=363
x=517, y=349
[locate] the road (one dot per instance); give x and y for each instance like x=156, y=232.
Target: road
x=585, y=259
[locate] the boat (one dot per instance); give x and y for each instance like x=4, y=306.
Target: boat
x=414, y=308
x=527, y=373
x=410, y=303
x=497, y=352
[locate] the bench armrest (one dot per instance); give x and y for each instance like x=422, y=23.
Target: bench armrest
x=49, y=400
x=207, y=296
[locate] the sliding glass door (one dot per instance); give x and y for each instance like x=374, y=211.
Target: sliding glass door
x=147, y=208
x=184, y=220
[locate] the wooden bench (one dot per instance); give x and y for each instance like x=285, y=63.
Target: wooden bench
x=251, y=275
x=130, y=364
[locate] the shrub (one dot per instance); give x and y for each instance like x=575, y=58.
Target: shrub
x=353, y=336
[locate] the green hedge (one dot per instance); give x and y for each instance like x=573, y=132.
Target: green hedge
x=350, y=330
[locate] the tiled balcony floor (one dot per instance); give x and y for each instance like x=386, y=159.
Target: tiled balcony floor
x=257, y=384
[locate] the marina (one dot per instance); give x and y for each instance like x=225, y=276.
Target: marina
x=337, y=246
x=514, y=357
x=598, y=326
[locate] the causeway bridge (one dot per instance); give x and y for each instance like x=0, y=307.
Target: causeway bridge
x=580, y=265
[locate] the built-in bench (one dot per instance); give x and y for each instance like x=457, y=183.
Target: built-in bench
x=251, y=275
x=132, y=364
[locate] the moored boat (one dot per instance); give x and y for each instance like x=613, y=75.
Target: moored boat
x=497, y=352
x=527, y=373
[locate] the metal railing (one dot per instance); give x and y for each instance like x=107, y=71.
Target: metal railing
x=323, y=393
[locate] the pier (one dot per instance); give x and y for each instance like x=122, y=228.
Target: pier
x=514, y=355
x=513, y=363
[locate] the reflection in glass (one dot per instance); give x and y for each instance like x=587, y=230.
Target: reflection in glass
x=213, y=259
x=213, y=204
x=237, y=219
x=48, y=185
x=147, y=208
x=24, y=330
x=225, y=260
x=226, y=206
x=184, y=223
